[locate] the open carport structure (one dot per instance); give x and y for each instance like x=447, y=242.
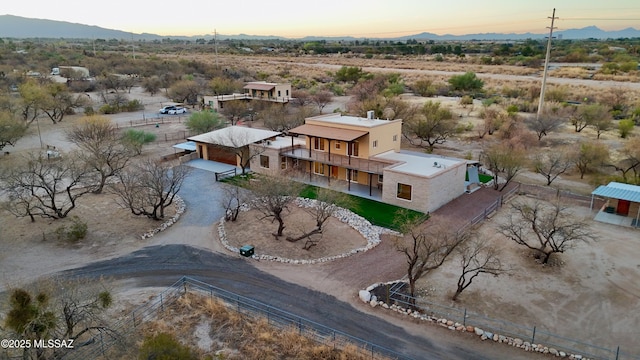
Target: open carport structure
x=622, y=205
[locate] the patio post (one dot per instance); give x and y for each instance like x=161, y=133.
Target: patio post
x=638, y=217
x=591, y=206
x=370, y=179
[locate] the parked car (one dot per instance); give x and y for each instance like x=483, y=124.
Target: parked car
x=166, y=109
x=173, y=110
x=177, y=110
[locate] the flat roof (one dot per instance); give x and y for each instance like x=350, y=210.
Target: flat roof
x=328, y=132
x=281, y=142
x=616, y=190
x=350, y=120
x=234, y=136
x=260, y=85
x=416, y=163
x=189, y=146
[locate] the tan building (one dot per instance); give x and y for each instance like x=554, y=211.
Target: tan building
x=255, y=90
x=365, y=153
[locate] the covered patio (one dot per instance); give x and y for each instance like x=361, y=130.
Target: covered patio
x=622, y=206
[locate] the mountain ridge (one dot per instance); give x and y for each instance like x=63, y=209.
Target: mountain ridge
x=12, y=26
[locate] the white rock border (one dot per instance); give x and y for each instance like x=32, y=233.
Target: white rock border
x=370, y=232
x=180, y=207
x=368, y=298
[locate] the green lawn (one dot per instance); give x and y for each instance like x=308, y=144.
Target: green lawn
x=483, y=178
x=376, y=212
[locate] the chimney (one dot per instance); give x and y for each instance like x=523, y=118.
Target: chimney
x=370, y=115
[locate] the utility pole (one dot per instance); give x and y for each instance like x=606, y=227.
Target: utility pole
x=215, y=45
x=546, y=65
x=133, y=48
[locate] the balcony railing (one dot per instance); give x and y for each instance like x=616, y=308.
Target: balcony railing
x=355, y=163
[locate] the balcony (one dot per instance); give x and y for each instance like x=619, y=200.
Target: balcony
x=354, y=163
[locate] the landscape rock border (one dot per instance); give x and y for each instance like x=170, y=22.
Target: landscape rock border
x=180, y=208
x=370, y=232
x=368, y=298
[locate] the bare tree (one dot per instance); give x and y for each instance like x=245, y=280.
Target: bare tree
x=239, y=142
x=630, y=161
x=321, y=99
x=273, y=195
x=233, y=198
x=602, y=124
x=328, y=201
x=477, y=257
x=430, y=126
x=102, y=149
x=60, y=102
x=300, y=97
x=46, y=187
x=544, y=124
x=504, y=161
x=150, y=187
x=492, y=119
x=281, y=118
x=552, y=163
x=426, y=247
x=546, y=229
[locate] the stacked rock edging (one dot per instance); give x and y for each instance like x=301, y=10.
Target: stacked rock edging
x=367, y=297
x=370, y=232
x=180, y=207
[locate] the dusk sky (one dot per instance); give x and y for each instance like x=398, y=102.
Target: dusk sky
x=359, y=18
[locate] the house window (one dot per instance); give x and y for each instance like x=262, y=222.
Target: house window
x=318, y=168
x=264, y=161
x=375, y=143
x=318, y=144
x=283, y=162
x=404, y=191
x=395, y=137
x=287, y=92
x=338, y=145
x=354, y=149
x=380, y=178
x=279, y=93
x=354, y=175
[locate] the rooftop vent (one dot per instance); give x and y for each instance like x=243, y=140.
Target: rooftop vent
x=370, y=115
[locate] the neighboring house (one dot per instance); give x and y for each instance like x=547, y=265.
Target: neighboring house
x=231, y=144
x=365, y=154
x=622, y=206
x=256, y=90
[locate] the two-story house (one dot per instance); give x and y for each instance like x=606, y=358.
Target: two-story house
x=365, y=152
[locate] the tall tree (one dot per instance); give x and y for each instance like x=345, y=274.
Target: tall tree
x=60, y=101
x=431, y=125
x=476, y=257
x=204, y=121
x=321, y=98
x=504, y=161
x=590, y=154
x=149, y=188
x=235, y=110
x=426, y=247
x=546, y=229
x=586, y=115
x=273, y=195
x=101, y=146
x=552, y=163
x=11, y=129
x=48, y=188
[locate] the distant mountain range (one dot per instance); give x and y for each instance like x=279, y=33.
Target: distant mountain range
x=20, y=27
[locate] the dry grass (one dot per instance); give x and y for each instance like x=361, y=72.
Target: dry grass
x=236, y=336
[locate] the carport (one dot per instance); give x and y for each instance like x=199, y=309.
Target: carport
x=622, y=206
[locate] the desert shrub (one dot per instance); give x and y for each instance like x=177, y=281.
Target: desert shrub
x=424, y=88
x=625, y=127
x=77, y=231
x=108, y=109
x=164, y=346
x=466, y=100
x=88, y=110
x=466, y=82
x=133, y=105
x=557, y=94
x=135, y=139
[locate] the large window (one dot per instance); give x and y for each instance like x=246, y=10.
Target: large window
x=354, y=148
x=318, y=144
x=404, y=191
x=338, y=145
x=318, y=168
x=283, y=162
x=264, y=161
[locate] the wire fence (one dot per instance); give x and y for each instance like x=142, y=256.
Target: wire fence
x=531, y=334
x=104, y=346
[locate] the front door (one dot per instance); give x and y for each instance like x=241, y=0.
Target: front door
x=334, y=172
x=623, y=207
